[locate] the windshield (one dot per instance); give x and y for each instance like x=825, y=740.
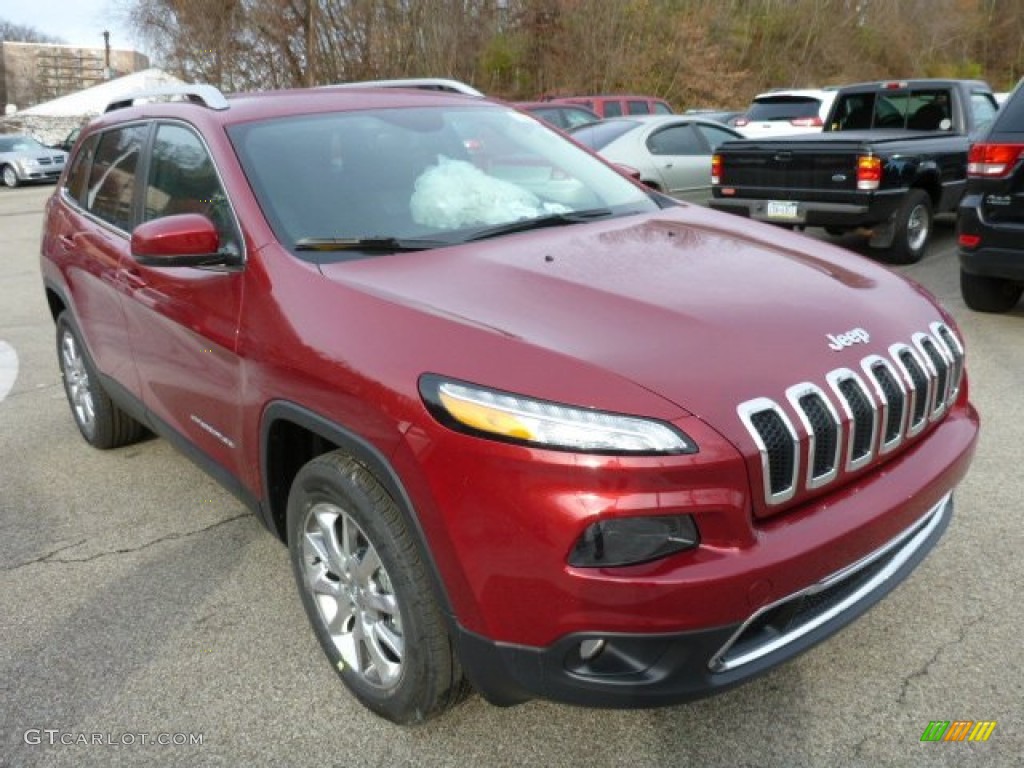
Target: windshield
x=425, y=175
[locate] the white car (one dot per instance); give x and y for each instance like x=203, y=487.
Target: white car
x=671, y=153
x=786, y=112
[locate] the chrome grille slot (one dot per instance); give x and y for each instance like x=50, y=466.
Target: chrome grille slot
x=893, y=397
x=860, y=410
x=955, y=352
x=917, y=379
x=938, y=366
x=45, y=161
x=821, y=422
x=777, y=443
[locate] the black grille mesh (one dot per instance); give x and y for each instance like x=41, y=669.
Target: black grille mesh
x=826, y=433
x=895, y=399
x=920, y=382
x=941, y=370
x=781, y=449
x=863, y=418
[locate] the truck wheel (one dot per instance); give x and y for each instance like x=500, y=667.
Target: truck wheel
x=912, y=229
x=989, y=294
x=102, y=423
x=367, y=592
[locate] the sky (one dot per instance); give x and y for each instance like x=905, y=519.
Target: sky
x=78, y=22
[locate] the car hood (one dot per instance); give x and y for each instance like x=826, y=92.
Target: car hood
x=701, y=308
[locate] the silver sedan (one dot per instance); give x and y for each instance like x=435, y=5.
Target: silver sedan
x=671, y=152
x=23, y=159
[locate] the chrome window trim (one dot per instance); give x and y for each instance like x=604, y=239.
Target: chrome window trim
x=793, y=394
x=746, y=411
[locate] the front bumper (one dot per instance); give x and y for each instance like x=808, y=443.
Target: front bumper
x=645, y=670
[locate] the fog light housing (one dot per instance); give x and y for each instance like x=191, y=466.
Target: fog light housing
x=632, y=540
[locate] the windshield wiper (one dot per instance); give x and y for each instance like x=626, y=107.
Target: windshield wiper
x=389, y=244
x=550, y=220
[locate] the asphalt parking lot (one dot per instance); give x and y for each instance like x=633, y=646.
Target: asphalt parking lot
x=140, y=602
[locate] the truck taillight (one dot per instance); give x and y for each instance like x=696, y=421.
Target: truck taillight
x=869, y=172
x=716, y=169
x=806, y=122
x=993, y=161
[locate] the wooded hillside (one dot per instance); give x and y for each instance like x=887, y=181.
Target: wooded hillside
x=695, y=53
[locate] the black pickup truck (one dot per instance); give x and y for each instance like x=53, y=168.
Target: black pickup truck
x=891, y=156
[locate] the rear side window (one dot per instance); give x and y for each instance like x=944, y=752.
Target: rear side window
x=638, y=107
x=112, y=177
x=715, y=136
x=676, y=140
x=612, y=109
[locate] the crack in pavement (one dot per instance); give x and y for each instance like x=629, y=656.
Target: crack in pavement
x=51, y=557
x=923, y=671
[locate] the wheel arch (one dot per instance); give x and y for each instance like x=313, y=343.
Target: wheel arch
x=291, y=435
x=930, y=183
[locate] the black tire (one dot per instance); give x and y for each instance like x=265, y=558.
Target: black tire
x=835, y=231
x=9, y=176
x=989, y=294
x=102, y=423
x=367, y=593
x=912, y=229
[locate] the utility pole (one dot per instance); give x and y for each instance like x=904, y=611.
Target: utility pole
x=107, y=74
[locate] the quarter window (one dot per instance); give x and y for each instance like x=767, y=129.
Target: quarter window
x=77, y=185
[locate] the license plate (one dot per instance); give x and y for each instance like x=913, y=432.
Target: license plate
x=777, y=210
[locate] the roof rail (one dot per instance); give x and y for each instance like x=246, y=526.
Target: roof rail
x=423, y=83
x=204, y=95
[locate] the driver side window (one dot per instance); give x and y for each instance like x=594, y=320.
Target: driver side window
x=182, y=179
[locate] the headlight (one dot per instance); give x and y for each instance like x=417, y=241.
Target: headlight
x=517, y=419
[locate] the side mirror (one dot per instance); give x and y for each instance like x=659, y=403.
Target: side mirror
x=182, y=240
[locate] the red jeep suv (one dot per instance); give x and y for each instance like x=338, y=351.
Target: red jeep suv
x=522, y=423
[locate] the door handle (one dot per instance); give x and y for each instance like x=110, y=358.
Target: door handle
x=66, y=242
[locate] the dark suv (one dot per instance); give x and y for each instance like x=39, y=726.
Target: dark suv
x=990, y=225
x=521, y=421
